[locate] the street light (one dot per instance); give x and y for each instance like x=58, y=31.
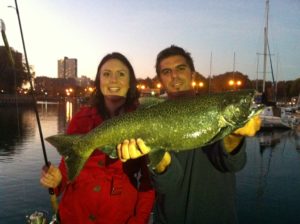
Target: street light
x=234, y=83
x=91, y=89
x=231, y=82
x=69, y=91
x=193, y=84
x=197, y=85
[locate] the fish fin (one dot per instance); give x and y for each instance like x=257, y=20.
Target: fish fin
x=155, y=157
x=65, y=145
x=63, y=142
x=146, y=102
x=110, y=150
x=221, y=134
x=223, y=122
x=74, y=165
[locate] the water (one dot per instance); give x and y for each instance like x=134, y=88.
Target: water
x=268, y=187
x=21, y=158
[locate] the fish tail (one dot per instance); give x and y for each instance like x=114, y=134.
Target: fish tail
x=66, y=147
x=63, y=142
x=74, y=165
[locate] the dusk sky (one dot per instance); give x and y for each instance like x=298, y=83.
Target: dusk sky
x=88, y=30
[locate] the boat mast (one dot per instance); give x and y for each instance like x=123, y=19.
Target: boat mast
x=265, y=43
x=234, y=87
x=210, y=67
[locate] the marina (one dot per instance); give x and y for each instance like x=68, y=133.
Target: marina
x=267, y=187
x=279, y=117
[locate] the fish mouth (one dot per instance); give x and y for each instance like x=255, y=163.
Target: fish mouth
x=255, y=107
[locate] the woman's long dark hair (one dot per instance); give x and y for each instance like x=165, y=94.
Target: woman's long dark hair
x=97, y=99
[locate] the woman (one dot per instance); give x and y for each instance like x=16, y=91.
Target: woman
x=106, y=190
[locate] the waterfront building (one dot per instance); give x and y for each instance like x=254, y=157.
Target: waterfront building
x=67, y=68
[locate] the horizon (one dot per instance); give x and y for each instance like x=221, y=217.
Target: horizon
x=232, y=32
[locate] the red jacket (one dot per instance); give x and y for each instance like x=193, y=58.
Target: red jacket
x=106, y=191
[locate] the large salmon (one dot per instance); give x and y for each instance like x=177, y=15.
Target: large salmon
x=180, y=124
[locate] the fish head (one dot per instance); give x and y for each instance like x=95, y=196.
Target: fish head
x=239, y=107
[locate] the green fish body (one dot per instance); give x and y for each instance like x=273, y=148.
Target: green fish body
x=177, y=125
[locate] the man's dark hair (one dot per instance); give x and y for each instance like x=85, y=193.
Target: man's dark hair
x=132, y=96
x=172, y=51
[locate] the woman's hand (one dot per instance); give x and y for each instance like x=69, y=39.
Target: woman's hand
x=132, y=149
x=50, y=177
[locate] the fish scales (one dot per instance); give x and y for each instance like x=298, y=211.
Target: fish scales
x=179, y=124
x=175, y=118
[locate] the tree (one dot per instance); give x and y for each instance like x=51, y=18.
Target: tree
x=11, y=78
x=221, y=83
x=200, y=83
x=295, y=88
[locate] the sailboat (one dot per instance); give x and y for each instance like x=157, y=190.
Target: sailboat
x=273, y=116
x=297, y=107
x=278, y=117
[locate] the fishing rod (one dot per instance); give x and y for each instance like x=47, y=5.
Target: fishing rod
x=53, y=198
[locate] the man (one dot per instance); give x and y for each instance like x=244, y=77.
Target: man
x=194, y=186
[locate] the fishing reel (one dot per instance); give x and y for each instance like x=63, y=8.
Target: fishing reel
x=54, y=220
x=40, y=217
x=37, y=217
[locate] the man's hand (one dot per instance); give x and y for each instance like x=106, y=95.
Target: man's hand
x=250, y=129
x=50, y=177
x=132, y=149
